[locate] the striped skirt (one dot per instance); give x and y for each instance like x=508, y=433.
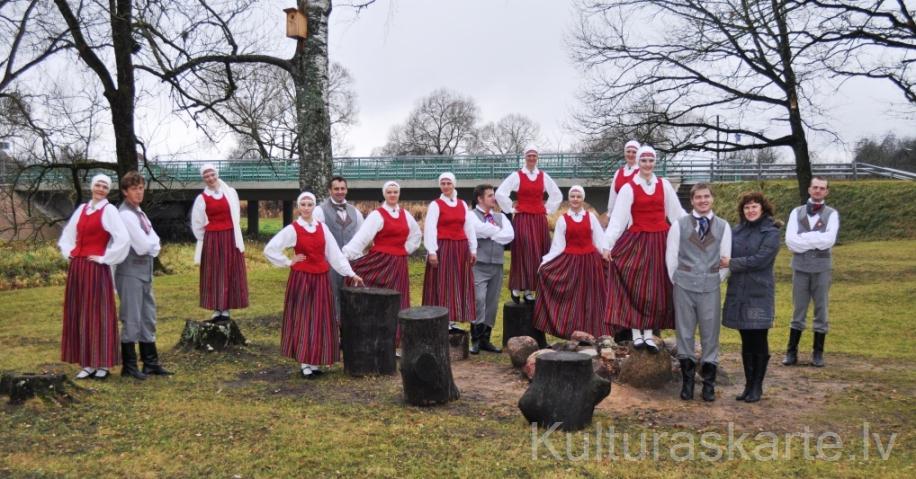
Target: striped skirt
x=638, y=288
x=223, y=279
x=90, y=333
x=451, y=284
x=572, y=296
x=531, y=243
x=310, y=333
x=382, y=270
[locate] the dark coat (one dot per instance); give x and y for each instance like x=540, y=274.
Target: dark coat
x=750, y=301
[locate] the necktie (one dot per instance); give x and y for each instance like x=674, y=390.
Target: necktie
x=489, y=219
x=144, y=223
x=704, y=227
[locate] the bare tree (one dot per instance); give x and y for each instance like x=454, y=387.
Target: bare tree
x=744, y=60
x=27, y=38
x=509, y=135
x=442, y=123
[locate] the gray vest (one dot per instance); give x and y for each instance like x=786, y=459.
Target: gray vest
x=136, y=266
x=489, y=251
x=342, y=230
x=698, y=261
x=815, y=260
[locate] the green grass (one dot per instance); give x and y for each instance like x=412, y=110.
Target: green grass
x=245, y=414
x=267, y=227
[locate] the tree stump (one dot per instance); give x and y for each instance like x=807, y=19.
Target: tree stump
x=458, y=342
x=368, y=324
x=565, y=390
x=426, y=370
x=54, y=388
x=211, y=335
x=518, y=321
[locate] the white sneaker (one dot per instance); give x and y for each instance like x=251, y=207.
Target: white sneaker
x=85, y=373
x=306, y=371
x=650, y=344
x=100, y=373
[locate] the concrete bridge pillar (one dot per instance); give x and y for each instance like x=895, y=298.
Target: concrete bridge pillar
x=253, y=209
x=287, y=212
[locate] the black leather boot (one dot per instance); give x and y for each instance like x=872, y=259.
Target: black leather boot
x=688, y=371
x=475, y=338
x=708, y=373
x=748, y=361
x=129, y=362
x=485, y=344
x=150, y=358
x=792, y=349
x=817, y=355
x=760, y=370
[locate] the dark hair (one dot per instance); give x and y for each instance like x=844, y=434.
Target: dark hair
x=701, y=187
x=336, y=178
x=480, y=190
x=755, y=197
x=130, y=179
x=819, y=178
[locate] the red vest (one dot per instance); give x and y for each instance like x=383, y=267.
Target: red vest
x=621, y=179
x=451, y=220
x=312, y=246
x=530, y=194
x=218, y=216
x=91, y=237
x=648, y=210
x=393, y=235
x=579, y=235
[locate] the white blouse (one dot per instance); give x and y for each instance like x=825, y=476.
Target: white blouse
x=622, y=215
x=119, y=244
x=199, y=217
x=511, y=183
x=374, y=222
x=628, y=172
x=559, y=234
x=431, y=232
x=275, y=251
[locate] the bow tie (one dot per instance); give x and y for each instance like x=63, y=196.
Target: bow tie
x=489, y=218
x=339, y=207
x=814, y=208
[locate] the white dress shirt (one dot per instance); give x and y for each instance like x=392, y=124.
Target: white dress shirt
x=628, y=172
x=622, y=216
x=430, y=226
x=374, y=223
x=559, y=234
x=119, y=244
x=287, y=238
x=672, y=249
x=511, y=183
x=318, y=213
x=802, y=242
x=142, y=242
x=491, y=231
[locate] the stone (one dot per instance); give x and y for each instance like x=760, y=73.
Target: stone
x=589, y=351
x=605, y=368
x=605, y=342
x=582, y=337
x=519, y=348
x=571, y=346
x=531, y=363
x=645, y=370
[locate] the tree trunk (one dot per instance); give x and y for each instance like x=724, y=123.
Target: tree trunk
x=211, y=335
x=426, y=370
x=565, y=390
x=518, y=321
x=368, y=323
x=53, y=388
x=310, y=77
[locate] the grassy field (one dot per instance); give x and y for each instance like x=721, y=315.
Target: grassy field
x=246, y=414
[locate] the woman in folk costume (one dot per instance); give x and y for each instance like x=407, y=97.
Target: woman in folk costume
x=639, y=290
x=571, y=279
x=93, y=240
x=394, y=234
x=310, y=331
x=624, y=174
x=529, y=219
x=451, y=248
x=220, y=247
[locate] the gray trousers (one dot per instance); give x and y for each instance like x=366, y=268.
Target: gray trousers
x=488, y=284
x=138, y=309
x=807, y=287
x=692, y=309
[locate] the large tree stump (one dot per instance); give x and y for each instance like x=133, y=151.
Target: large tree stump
x=211, y=335
x=54, y=388
x=565, y=390
x=518, y=320
x=368, y=324
x=426, y=369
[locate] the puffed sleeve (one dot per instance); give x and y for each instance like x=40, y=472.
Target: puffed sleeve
x=335, y=257
x=198, y=225
x=119, y=245
x=673, y=209
x=357, y=245
x=318, y=214
x=672, y=249
x=554, y=195
x=469, y=232
x=612, y=194
x=504, y=190
x=275, y=250
x=430, y=233
x=414, y=235
x=597, y=233
x=559, y=241
x=620, y=217
x=67, y=240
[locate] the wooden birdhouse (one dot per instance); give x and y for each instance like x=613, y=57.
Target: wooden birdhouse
x=296, y=24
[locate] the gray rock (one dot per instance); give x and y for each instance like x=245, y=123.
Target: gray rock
x=519, y=348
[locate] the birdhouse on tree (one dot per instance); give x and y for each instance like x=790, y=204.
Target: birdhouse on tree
x=296, y=24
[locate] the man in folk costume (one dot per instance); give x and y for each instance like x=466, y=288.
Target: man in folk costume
x=342, y=220
x=696, y=245
x=134, y=281
x=811, y=233
x=310, y=332
x=451, y=251
x=624, y=174
x=92, y=241
x=572, y=276
x=494, y=232
x=220, y=246
x=639, y=289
